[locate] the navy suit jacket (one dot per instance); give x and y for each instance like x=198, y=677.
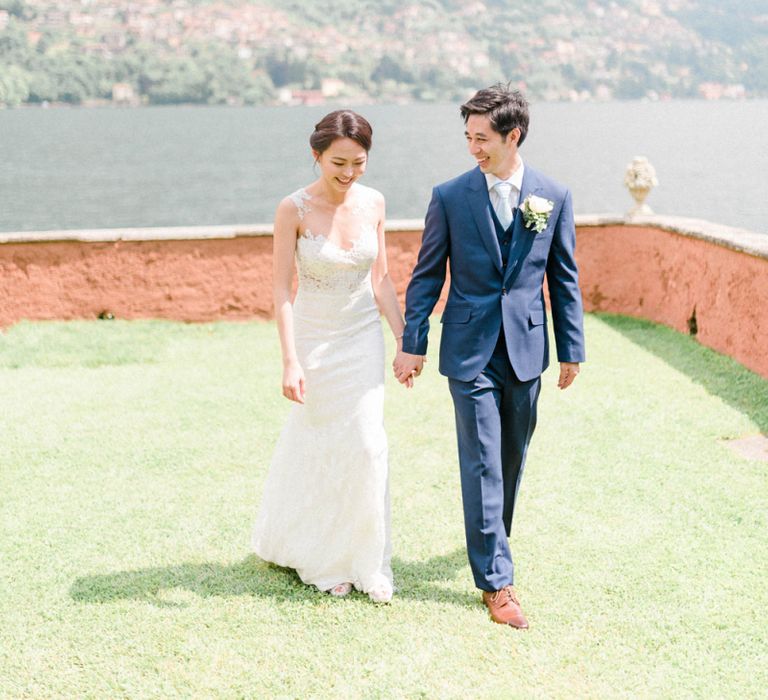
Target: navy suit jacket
x=485, y=297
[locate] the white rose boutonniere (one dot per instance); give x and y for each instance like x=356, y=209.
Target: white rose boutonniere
x=536, y=211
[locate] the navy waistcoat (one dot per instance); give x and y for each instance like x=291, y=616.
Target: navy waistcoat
x=505, y=237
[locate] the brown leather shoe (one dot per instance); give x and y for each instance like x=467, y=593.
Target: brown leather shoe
x=505, y=607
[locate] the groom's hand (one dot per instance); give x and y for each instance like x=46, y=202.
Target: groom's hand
x=406, y=367
x=568, y=372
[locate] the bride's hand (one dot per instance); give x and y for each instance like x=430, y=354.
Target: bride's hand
x=293, y=382
x=407, y=367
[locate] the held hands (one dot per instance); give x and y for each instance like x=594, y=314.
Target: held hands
x=293, y=382
x=568, y=372
x=407, y=367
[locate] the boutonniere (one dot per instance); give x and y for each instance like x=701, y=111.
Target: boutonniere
x=536, y=211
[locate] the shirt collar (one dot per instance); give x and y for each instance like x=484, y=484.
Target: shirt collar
x=516, y=179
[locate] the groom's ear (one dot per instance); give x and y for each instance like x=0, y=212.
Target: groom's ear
x=514, y=135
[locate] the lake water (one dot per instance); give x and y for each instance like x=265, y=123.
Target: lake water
x=173, y=166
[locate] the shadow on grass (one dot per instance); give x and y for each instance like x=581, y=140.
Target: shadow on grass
x=420, y=580
x=251, y=576
x=254, y=577
x=719, y=374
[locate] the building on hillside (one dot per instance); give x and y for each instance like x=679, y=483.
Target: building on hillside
x=124, y=94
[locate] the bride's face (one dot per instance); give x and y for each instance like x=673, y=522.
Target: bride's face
x=342, y=163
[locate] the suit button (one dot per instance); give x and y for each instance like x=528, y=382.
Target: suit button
x=504, y=292
x=505, y=241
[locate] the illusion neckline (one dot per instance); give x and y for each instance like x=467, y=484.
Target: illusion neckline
x=300, y=198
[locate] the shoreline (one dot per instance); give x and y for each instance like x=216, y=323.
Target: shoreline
x=358, y=101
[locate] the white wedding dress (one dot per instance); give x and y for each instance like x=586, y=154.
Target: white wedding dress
x=325, y=506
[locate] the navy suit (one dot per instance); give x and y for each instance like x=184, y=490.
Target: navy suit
x=494, y=343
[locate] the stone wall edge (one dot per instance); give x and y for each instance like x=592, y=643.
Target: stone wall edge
x=738, y=239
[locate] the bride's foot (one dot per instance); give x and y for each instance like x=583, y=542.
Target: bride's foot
x=341, y=590
x=381, y=592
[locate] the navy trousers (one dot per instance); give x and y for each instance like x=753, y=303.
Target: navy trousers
x=495, y=419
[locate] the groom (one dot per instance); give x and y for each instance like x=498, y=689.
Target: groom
x=501, y=227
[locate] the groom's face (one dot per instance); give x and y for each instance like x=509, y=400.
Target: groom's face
x=494, y=154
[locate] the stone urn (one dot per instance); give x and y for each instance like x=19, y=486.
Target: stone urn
x=640, y=179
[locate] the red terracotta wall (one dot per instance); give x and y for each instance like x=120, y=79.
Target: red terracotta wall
x=402, y=252
x=190, y=280
x=639, y=271
x=664, y=276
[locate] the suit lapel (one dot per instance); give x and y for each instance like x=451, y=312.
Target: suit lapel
x=522, y=237
x=480, y=205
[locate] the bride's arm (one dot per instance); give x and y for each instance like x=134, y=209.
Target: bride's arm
x=383, y=289
x=283, y=255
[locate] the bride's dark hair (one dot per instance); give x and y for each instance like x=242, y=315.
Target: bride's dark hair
x=342, y=123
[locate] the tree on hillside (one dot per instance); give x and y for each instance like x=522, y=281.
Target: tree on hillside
x=14, y=86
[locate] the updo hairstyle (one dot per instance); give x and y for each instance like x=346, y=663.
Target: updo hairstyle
x=341, y=124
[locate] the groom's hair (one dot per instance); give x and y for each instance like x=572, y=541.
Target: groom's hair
x=505, y=106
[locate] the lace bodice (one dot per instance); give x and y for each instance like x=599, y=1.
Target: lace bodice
x=323, y=265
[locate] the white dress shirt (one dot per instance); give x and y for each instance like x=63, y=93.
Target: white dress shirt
x=516, y=182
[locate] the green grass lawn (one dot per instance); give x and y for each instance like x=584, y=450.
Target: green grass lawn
x=132, y=456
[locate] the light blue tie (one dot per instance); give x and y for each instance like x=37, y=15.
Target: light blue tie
x=503, y=207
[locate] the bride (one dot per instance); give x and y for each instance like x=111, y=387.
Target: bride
x=325, y=506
